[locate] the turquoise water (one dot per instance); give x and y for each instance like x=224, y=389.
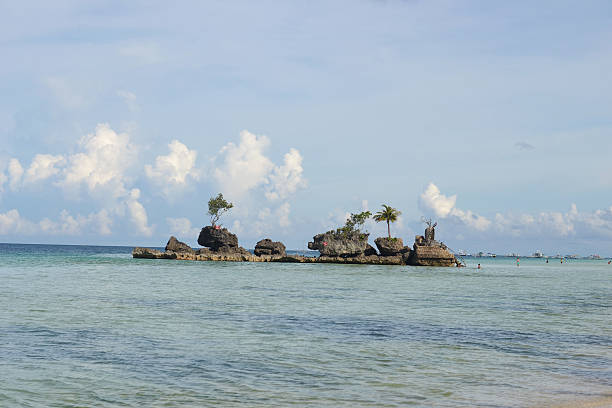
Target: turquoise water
x=90, y=326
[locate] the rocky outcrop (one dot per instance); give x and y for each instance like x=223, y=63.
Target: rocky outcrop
x=149, y=253
x=269, y=247
x=339, y=244
x=425, y=255
x=175, y=245
x=369, y=251
x=217, y=239
x=426, y=251
x=389, y=246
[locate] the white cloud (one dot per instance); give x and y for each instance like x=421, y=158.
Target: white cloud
x=432, y=199
x=130, y=100
x=12, y=222
x=182, y=227
x=43, y=167
x=286, y=179
x=138, y=213
x=444, y=207
x=243, y=166
x=282, y=213
x=3, y=179
x=99, y=223
x=549, y=224
x=172, y=172
x=15, y=172
x=103, y=163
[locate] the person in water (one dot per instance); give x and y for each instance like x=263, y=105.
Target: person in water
x=546, y=260
x=518, y=262
x=479, y=265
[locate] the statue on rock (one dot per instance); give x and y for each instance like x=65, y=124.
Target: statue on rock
x=430, y=232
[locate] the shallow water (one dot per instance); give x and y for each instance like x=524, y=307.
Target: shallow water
x=90, y=326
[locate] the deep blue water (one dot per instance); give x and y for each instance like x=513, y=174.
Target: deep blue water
x=90, y=326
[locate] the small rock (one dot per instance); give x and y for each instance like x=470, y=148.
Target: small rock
x=269, y=247
x=389, y=246
x=178, y=246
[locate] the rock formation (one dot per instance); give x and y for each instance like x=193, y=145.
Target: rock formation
x=426, y=251
x=336, y=244
x=389, y=246
x=269, y=247
x=177, y=246
x=218, y=239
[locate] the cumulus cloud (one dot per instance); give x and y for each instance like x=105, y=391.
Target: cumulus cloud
x=444, y=207
x=15, y=172
x=282, y=214
x=12, y=222
x=42, y=167
x=103, y=163
x=182, y=227
x=173, y=171
x=434, y=200
x=138, y=213
x=99, y=223
x=574, y=223
x=287, y=178
x=243, y=166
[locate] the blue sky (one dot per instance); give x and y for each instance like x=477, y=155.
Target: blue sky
x=118, y=120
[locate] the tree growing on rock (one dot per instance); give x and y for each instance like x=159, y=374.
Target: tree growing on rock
x=354, y=223
x=388, y=214
x=217, y=206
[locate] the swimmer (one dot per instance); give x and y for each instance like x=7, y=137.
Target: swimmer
x=479, y=265
x=518, y=262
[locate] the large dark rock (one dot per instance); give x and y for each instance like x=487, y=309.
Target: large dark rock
x=178, y=246
x=339, y=244
x=431, y=255
x=389, y=246
x=369, y=251
x=218, y=239
x=269, y=247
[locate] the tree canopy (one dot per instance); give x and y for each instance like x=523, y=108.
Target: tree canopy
x=388, y=214
x=217, y=206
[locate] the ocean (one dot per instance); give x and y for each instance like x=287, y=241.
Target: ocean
x=84, y=326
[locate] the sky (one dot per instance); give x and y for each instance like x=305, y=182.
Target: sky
x=119, y=120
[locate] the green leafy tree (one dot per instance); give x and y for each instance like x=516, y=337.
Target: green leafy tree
x=388, y=214
x=354, y=223
x=217, y=206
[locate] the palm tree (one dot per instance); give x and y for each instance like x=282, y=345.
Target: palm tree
x=388, y=214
